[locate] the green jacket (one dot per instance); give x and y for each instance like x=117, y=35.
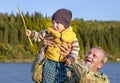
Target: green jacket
x=80, y=73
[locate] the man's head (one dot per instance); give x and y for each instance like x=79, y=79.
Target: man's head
x=62, y=16
x=95, y=58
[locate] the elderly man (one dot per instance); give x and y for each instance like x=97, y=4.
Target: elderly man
x=88, y=70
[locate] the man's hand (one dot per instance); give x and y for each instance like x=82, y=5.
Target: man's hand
x=48, y=41
x=65, y=50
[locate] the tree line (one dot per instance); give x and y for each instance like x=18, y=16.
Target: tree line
x=15, y=45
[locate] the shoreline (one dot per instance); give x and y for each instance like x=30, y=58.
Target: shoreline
x=31, y=60
x=16, y=60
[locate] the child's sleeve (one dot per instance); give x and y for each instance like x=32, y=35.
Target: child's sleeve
x=73, y=56
x=38, y=36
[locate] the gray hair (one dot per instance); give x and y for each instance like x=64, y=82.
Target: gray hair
x=105, y=57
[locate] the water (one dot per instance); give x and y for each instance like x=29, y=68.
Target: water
x=113, y=71
x=21, y=72
x=15, y=73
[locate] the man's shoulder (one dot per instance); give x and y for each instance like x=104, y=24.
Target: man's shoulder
x=81, y=67
x=103, y=77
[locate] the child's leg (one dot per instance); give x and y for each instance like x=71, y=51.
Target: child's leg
x=61, y=73
x=49, y=72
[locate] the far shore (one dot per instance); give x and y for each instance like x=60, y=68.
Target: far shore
x=31, y=60
x=16, y=60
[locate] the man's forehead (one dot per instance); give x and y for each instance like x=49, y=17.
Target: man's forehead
x=96, y=51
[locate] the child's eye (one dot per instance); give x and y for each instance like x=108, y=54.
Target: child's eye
x=54, y=22
x=57, y=22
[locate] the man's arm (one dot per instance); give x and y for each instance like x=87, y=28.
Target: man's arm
x=105, y=78
x=70, y=53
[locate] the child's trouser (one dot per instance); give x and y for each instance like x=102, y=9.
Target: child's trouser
x=54, y=72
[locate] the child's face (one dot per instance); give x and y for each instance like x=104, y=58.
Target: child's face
x=58, y=26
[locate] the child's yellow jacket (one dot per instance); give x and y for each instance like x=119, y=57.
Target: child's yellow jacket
x=67, y=36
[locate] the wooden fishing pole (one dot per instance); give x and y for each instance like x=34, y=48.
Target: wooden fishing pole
x=24, y=25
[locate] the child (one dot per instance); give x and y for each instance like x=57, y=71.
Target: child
x=54, y=70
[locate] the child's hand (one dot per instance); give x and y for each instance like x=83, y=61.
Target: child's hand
x=27, y=32
x=68, y=61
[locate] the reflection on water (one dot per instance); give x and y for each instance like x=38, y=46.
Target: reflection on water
x=21, y=72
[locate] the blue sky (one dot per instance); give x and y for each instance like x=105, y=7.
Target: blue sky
x=86, y=9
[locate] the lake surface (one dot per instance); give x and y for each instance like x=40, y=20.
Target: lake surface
x=21, y=72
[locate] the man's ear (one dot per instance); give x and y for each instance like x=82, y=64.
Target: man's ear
x=100, y=65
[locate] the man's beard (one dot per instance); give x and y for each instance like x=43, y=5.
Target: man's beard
x=89, y=65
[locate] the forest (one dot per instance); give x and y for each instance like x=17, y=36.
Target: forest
x=15, y=45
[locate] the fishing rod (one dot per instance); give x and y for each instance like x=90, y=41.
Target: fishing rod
x=24, y=25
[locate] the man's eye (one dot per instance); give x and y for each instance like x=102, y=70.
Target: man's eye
x=89, y=52
x=94, y=55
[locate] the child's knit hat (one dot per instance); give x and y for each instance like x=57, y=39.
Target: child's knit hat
x=62, y=16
